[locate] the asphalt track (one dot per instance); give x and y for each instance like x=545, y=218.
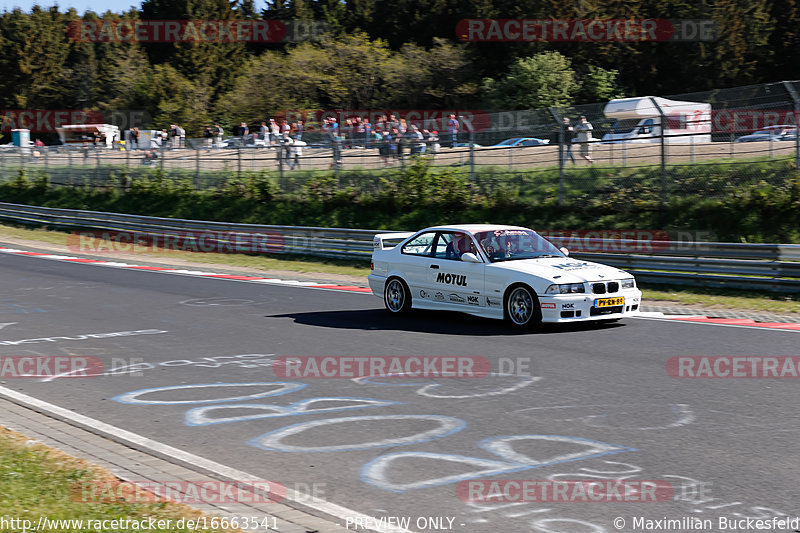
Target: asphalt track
x=597, y=402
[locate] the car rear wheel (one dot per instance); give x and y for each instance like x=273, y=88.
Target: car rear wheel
x=396, y=296
x=522, y=308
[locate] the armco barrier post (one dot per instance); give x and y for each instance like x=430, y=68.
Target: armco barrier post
x=662, y=138
x=557, y=118
x=796, y=101
x=471, y=158
x=197, y=163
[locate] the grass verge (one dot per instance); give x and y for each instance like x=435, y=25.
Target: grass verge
x=701, y=297
x=35, y=481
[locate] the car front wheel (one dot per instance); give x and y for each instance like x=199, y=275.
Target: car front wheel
x=396, y=296
x=522, y=308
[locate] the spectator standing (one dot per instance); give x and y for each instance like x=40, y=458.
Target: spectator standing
x=285, y=130
x=173, y=136
x=299, y=134
x=208, y=137
x=358, y=134
x=244, y=131
x=263, y=132
x=274, y=130
x=584, y=131
x=295, y=150
x=367, y=132
x=433, y=140
x=135, y=139
x=452, y=129
x=164, y=138
x=417, y=140
x=385, y=146
x=218, y=132
x=566, y=140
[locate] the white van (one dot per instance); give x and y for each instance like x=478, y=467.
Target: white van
x=639, y=121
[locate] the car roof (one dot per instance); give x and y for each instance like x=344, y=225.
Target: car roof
x=472, y=228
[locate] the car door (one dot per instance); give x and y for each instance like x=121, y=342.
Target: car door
x=454, y=282
x=414, y=264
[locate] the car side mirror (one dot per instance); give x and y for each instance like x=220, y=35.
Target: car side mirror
x=564, y=250
x=469, y=257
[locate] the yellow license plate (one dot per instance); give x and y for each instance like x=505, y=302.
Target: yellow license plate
x=609, y=302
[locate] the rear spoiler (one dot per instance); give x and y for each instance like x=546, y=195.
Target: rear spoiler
x=378, y=242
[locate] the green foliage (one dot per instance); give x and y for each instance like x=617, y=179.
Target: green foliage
x=599, y=85
x=399, y=54
x=747, y=202
x=543, y=80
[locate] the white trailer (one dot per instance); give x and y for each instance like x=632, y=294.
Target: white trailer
x=106, y=134
x=638, y=120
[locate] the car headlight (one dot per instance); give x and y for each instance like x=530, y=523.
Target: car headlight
x=565, y=288
x=628, y=283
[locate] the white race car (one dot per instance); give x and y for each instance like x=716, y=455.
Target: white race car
x=505, y=272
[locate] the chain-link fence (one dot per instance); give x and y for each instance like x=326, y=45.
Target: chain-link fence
x=704, y=142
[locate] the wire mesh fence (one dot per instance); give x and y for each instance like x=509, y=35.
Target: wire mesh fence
x=653, y=147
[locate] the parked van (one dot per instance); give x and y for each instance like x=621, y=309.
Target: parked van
x=638, y=120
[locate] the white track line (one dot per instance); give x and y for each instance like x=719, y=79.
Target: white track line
x=678, y=321
x=183, y=272
x=116, y=433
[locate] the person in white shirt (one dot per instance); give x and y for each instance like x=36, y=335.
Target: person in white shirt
x=584, y=131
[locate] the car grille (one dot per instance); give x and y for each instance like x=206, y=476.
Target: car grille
x=603, y=287
x=595, y=311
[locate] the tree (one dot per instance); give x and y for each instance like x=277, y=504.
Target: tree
x=543, y=80
x=33, y=51
x=599, y=85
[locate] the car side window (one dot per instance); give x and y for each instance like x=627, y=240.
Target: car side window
x=444, y=246
x=419, y=245
x=452, y=245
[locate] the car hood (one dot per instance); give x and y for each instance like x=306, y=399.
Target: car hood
x=563, y=269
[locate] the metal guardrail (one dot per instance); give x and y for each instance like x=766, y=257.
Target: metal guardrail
x=768, y=267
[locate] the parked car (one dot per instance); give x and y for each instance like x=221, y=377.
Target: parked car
x=521, y=141
x=502, y=272
x=775, y=133
x=250, y=141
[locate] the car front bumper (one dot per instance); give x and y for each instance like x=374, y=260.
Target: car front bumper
x=562, y=308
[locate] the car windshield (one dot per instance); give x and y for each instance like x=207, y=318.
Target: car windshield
x=513, y=244
x=625, y=126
